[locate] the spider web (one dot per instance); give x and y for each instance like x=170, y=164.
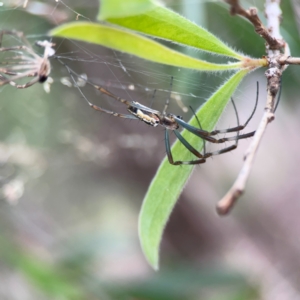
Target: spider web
x=78, y=174
x=126, y=76
x=112, y=68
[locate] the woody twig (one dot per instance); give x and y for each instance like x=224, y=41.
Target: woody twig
x=278, y=57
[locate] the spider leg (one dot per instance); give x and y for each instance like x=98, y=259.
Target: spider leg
x=16, y=33
x=98, y=108
x=12, y=70
x=279, y=96
x=221, y=151
x=13, y=48
x=8, y=72
x=206, y=135
x=9, y=32
x=198, y=121
x=2, y=77
x=99, y=88
x=23, y=48
x=21, y=36
x=187, y=145
x=236, y=138
x=26, y=85
x=198, y=132
x=14, y=84
x=240, y=127
x=23, y=59
x=108, y=93
x=137, y=110
x=23, y=63
x=12, y=79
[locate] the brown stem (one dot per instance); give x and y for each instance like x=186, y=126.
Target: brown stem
x=273, y=74
x=251, y=15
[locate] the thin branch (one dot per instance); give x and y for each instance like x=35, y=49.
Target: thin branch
x=273, y=74
x=288, y=60
x=251, y=14
x=227, y=202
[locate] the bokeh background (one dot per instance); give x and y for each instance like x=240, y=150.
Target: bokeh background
x=72, y=180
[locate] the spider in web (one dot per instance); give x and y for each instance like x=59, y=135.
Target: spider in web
x=22, y=61
x=171, y=122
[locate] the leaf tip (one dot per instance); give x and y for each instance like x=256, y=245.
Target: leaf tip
x=153, y=261
x=149, y=247
x=151, y=256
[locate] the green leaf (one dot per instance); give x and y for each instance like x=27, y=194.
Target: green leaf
x=170, y=180
x=118, y=9
x=131, y=43
x=163, y=23
x=49, y=278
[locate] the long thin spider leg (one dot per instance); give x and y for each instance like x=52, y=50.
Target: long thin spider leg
x=21, y=36
x=221, y=151
x=14, y=48
x=250, y=134
x=26, y=74
x=236, y=138
x=138, y=111
x=2, y=77
x=194, y=151
x=13, y=69
x=168, y=147
x=23, y=48
x=241, y=136
x=187, y=145
x=99, y=88
x=198, y=132
x=24, y=86
x=22, y=57
x=98, y=108
x=108, y=93
x=9, y=72
x=198, y=121
x=206, y=134
x=24, y=62
x=241, y=127
x=214, y=140
x=279, y=96
x=238, y=124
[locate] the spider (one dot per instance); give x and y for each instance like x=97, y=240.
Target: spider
x=24, y=62
x=171, y=122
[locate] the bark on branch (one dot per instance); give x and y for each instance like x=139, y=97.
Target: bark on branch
x=278, y=56
x=251, y=14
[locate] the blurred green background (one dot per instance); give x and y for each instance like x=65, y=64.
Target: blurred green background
x=72, y=179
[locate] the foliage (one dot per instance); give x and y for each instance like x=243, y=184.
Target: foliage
x=151, y=18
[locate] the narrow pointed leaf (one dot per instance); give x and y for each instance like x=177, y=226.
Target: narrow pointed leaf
x=163, y=23
x=118, y=9
x=131, y=43
x=170, y=180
